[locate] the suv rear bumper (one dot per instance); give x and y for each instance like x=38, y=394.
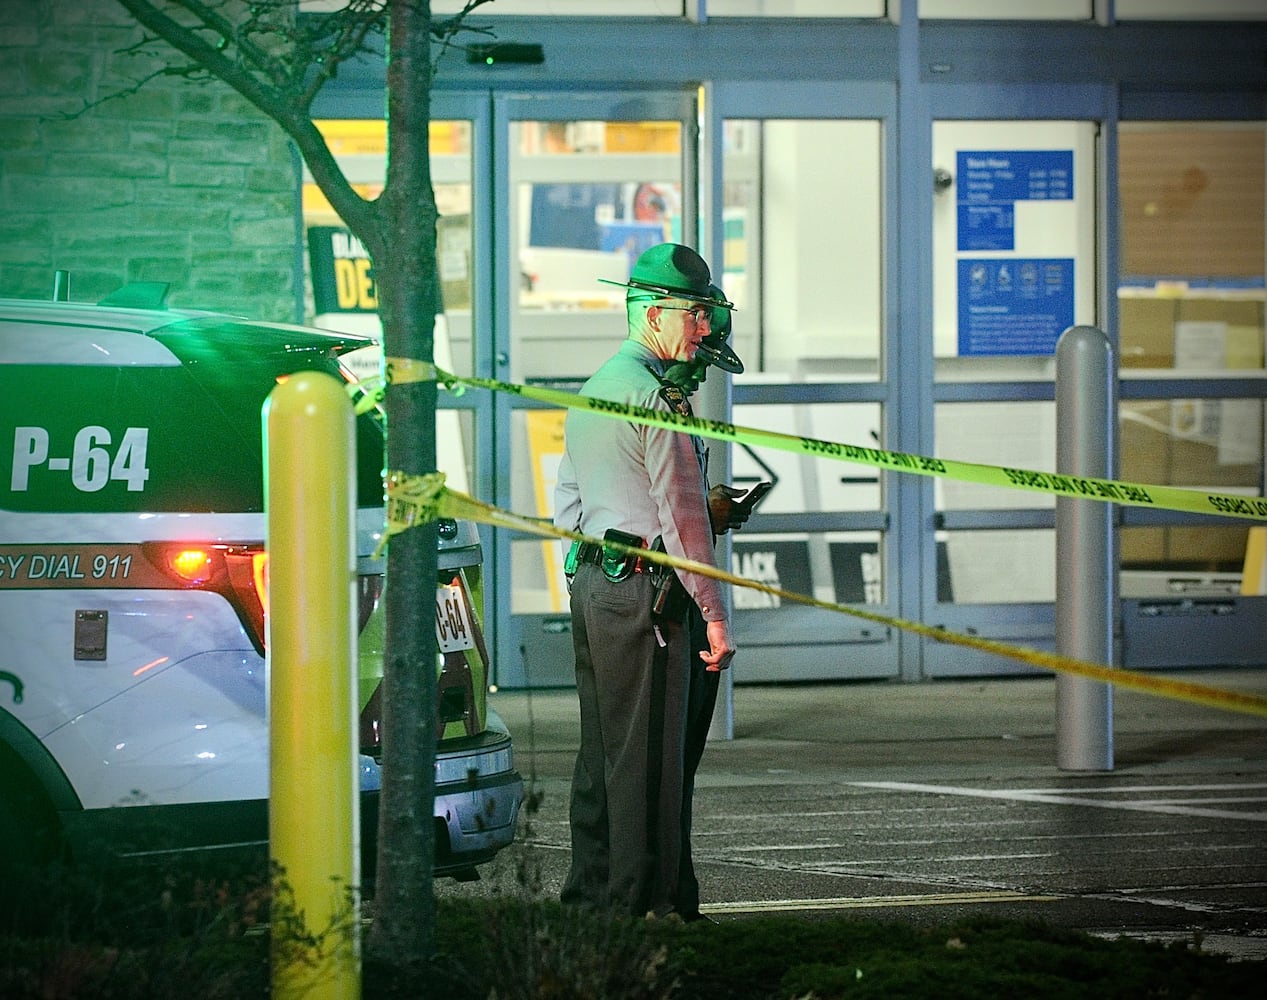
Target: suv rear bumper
x=476, y=816
x=477, y=797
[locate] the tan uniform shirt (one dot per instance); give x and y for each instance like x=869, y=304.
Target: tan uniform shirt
x=647, y=481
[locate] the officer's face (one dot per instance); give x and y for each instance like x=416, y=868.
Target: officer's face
x=683, y=325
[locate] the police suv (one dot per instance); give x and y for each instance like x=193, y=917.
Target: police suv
x=133, y=592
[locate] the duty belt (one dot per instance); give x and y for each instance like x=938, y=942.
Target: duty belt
x=589, y=552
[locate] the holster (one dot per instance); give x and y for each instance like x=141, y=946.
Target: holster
x=616, y=563
x=668, y=596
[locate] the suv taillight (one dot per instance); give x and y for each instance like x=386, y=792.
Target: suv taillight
x=238, y=573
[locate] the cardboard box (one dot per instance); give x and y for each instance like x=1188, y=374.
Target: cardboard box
x=1233, y=312
x=1146, y=332
x=1207, y=548
x=1144, y=442
x=1142, y=547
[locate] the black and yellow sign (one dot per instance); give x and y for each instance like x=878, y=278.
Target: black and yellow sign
x=342, y=275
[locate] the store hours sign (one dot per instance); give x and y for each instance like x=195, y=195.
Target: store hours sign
x=1008, y=303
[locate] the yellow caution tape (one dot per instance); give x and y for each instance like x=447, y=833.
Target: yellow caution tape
x=1080, y=487
x=372, y=391
x=414, y=500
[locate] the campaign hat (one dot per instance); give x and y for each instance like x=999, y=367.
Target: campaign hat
x=668, y=270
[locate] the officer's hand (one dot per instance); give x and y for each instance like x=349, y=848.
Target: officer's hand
x=721, y=648
x=723, y=512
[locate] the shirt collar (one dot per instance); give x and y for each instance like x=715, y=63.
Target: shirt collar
x=643, y=355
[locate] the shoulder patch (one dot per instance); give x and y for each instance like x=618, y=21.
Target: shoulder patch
x=676, y=398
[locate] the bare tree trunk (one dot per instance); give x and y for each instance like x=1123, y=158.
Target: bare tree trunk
x=403, y=930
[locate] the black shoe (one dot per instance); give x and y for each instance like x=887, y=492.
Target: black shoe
x=697, y=918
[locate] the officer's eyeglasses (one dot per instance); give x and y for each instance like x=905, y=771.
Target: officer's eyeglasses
x=700, y=314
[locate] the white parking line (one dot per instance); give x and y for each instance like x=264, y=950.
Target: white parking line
x=1117, y=789
x=875, y=902
x=1062, y=797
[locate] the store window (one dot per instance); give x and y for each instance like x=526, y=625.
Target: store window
x=1191, y=305
x=802, y=260
x=340, y=291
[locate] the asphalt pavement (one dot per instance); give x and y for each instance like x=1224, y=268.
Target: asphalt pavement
x=929, y=801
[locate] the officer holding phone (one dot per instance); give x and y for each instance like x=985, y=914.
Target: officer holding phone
x=645, y=486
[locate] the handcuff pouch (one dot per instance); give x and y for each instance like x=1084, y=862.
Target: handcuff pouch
x=618, y=564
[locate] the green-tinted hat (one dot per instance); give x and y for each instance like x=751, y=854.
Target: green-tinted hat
x=669, y=270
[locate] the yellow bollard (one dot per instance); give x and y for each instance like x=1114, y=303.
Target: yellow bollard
x=309, y=499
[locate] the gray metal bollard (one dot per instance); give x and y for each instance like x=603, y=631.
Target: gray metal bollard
x=1086, y=557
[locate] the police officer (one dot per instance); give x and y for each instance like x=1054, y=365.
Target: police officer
x=646, y=486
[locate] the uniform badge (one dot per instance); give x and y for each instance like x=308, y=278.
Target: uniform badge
x=676, y=398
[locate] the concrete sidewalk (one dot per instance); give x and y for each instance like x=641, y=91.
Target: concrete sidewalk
x=956, y=727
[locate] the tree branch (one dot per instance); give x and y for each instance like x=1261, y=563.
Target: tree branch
x=351, y=36
x=193, y=73
x=186, y=41
x=287, y=105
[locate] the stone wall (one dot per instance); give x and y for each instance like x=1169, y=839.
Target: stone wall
x=183, y=182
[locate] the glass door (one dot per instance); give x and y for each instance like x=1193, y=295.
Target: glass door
x=803, y=229
x=587, y=183
x=340, y=290
x=1016, y=237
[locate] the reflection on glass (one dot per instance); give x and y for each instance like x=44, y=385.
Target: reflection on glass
x=589, y=197
x=802, y=224
x=973, y=561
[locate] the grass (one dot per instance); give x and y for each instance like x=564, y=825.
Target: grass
x=203, y=936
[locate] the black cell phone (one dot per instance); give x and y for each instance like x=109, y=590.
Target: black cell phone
x=754, y=496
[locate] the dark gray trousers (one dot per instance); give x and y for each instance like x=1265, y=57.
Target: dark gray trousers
x=626, y=806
